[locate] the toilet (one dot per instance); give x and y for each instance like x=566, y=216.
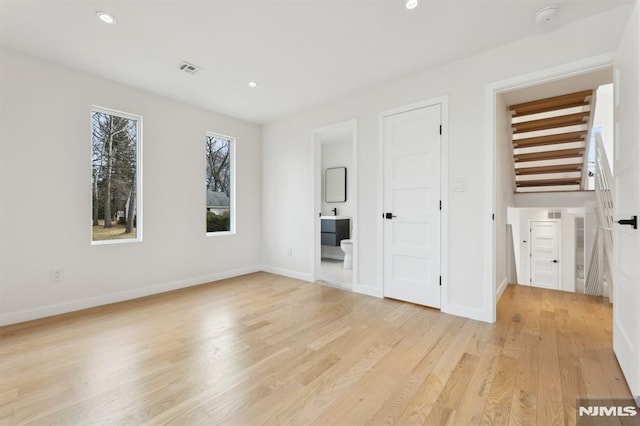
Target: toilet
x=347, y=248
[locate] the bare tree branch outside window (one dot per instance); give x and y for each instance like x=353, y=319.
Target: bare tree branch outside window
x=114, y=148
x=218, y=183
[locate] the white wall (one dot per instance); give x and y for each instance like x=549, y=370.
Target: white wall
x=339, y=154
x=568, y=249
x=513, y=218
x=288, y=158
x=603, y=117
x=46, y=200
x=555, y=199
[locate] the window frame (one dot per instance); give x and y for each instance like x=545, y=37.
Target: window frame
x=139, y=189
x=232, y=185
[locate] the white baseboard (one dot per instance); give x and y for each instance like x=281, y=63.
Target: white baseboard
x=333, y=256
x=467, y=312
x=368, y=290
x=501, y=288
x=92, y=302
x=288, y=273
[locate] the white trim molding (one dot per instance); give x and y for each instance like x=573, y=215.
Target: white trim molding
x=501, y=288
x=121, y=296
x=303, y=276
x=465, y=311
x=368, y=290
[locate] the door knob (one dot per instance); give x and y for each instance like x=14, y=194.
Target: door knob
x=554, y=261
x=389, y=215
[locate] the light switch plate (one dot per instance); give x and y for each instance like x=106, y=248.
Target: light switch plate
x=459, y=184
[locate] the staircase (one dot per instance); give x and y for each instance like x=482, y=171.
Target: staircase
x=550, y=138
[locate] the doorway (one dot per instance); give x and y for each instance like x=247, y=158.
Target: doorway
x=499, y=177
x=336, y=204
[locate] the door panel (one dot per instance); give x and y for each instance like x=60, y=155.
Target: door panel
x=626, y=240
x=545, y=254
x=412, y=195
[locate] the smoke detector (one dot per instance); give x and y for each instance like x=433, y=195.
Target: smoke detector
x=546, y=14
x=189, y=68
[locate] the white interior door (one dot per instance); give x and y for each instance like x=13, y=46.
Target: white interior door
x=545, y=252
x=626, y=250
x=412, y=204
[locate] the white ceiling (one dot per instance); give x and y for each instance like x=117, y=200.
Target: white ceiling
x=587, y=81
x=301, y=52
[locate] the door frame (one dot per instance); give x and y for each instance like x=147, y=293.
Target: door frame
x=316, y=139
x=559, y=241
x=443, y=101
x=492, y=90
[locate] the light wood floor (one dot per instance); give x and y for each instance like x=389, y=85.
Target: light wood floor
x=263, y=349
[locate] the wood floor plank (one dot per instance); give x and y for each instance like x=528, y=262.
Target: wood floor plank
x=471, y=407
x=419, y=407
x=549, y=407
x=430, y=346
x=377, y=385
x=498, y=406
x=525, y=394
x=264, y=349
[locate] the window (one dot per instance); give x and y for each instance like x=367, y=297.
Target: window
x=220, y=185
x=116, y=143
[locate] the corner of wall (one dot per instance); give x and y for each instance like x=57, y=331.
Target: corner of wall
x=501, y=288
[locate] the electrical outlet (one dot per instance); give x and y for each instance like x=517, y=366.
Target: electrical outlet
x=289, y=252
x=57, y=275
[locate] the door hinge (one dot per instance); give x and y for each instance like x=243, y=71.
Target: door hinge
x=493, y=216
x=441, y=129
x=440, y=280
x=440, y=204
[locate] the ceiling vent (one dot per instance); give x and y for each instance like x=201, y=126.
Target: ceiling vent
x=189, y=68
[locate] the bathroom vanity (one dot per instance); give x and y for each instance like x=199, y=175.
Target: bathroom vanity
x=334, y=229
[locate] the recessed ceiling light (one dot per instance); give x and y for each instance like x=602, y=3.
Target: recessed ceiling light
x=253, y=84
x=106, y=17
x=411, y=4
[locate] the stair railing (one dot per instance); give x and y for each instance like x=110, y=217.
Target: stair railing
x=600, y=265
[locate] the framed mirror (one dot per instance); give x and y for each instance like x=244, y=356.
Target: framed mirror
x=335, y=185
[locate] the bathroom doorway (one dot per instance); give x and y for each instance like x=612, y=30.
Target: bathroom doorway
x=336, y=204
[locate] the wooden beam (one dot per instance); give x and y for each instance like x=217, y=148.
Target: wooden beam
x=560, y=168
x=551, y=123
x=550, y=139
x=548, y=182
x=549, y=155
x=552, y=104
